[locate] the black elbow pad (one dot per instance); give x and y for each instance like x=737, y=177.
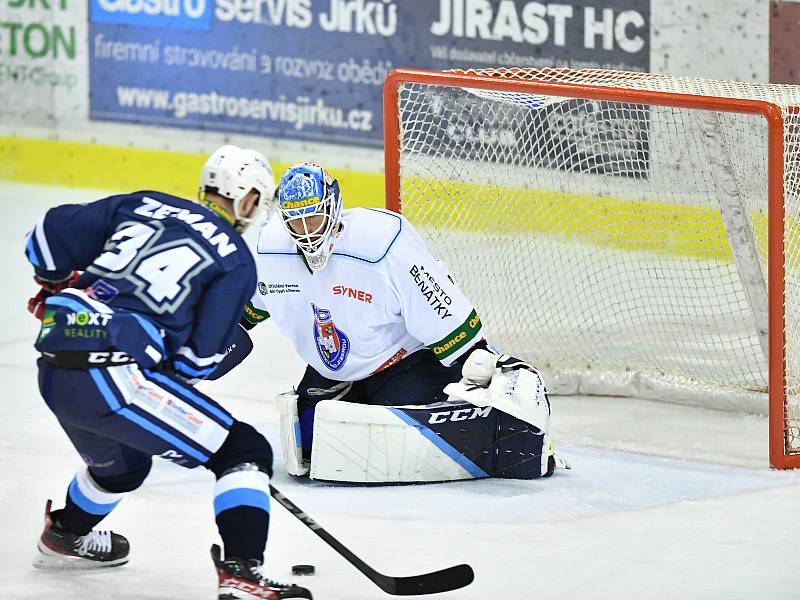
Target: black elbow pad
x=241, y=347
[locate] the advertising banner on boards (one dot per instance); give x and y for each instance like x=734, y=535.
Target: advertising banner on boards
x=42, y=61
x=585, y=136
x=314, y=69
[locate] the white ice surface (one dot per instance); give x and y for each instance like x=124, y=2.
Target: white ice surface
x=632, y=519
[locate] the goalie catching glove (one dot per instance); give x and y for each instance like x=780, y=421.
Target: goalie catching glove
x=506, y=383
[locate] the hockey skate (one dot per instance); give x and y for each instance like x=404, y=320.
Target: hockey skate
x=59, y=549
x=242, y=580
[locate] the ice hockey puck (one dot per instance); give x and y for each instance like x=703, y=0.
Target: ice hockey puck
x=303, y=570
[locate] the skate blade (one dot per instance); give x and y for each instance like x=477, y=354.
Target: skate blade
x=228, y=594
x=51, y=561
x=238, y=595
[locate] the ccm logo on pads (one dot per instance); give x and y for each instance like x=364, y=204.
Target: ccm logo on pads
x=348, y=292
x=462, y=414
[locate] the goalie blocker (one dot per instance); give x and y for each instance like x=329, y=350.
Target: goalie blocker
x=478, y=432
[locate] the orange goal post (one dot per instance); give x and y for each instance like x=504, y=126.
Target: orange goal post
x=628, y=233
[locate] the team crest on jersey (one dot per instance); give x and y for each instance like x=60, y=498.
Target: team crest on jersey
x=102, y=291
x=333, y=345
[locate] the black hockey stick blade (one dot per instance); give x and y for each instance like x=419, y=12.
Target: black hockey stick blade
x=445, y=580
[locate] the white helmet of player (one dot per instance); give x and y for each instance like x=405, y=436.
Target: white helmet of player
x=233, y=172
x=310, y=204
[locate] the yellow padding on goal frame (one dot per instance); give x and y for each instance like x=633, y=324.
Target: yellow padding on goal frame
x=122, y=169
x=679, y=230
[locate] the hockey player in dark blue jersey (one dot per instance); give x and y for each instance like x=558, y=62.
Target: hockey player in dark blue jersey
x=140, y=297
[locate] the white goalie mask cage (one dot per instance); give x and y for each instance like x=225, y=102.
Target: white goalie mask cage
x=233, y=172
x=307, y=190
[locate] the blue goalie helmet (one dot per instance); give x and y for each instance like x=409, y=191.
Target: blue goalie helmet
x=310, y=206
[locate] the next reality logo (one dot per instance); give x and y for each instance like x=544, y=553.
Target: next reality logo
x=178, y=14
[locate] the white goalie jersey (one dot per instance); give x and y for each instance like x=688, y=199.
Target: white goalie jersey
x=381, y=297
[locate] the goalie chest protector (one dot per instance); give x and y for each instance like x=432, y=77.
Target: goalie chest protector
x=381, y=296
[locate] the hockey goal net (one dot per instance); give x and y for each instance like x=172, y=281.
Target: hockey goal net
x=629, y=233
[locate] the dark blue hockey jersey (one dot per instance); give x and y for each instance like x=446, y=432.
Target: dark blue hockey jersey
x=164, y=279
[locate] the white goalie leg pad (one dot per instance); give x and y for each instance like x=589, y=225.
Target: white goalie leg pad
x=291, y=441
x=374, y=444
x=520, y=393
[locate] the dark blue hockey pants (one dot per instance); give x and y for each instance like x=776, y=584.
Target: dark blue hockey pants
x=118, y=418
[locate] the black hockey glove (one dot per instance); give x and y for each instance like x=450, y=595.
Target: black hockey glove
x=239, y=350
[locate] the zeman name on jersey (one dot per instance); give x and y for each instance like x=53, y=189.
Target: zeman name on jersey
x=435, y=295
x=219, y=240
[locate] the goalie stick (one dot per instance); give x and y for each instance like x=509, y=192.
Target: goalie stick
x=445, y=580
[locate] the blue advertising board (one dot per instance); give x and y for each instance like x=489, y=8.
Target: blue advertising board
x=314, y=69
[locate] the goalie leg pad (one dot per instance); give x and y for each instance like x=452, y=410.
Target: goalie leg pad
x=291, y=437
x=438, y=442
x=522, y=450
x=382, y=444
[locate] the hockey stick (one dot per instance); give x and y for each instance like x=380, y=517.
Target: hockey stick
x=445, y=580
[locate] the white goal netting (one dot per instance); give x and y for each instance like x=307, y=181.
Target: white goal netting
x=619, y=246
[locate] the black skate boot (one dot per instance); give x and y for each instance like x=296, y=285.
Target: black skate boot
x=242, y=580
x=62, y=550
